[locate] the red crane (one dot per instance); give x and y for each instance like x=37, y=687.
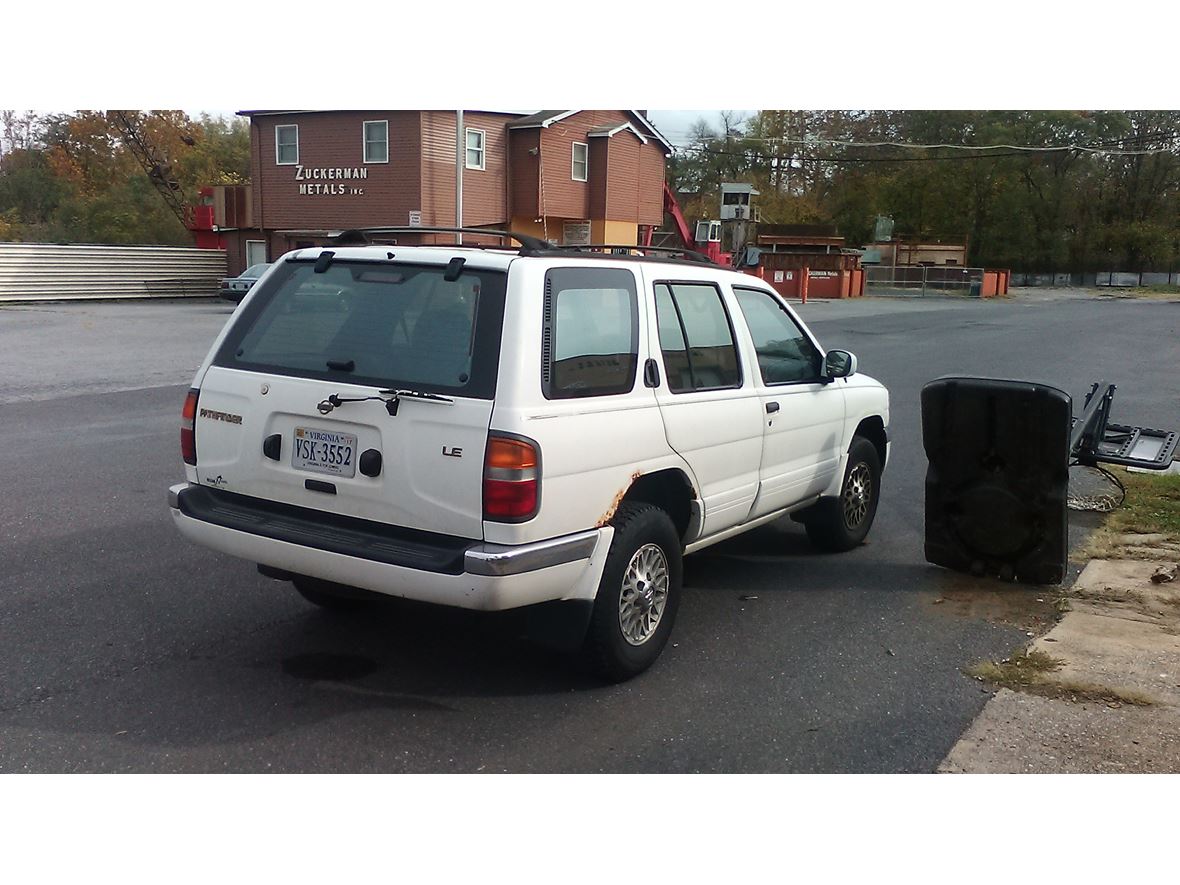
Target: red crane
x=706, y=241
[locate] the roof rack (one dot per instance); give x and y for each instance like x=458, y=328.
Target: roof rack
x=531, y=243
x=673, y=252
x=536, y=247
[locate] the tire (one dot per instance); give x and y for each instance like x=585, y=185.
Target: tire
x=641, y=576
x=333, y=597
x=839, y=524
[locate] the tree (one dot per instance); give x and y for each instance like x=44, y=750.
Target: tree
x=74, y=178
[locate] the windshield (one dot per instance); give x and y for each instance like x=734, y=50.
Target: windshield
x=379, y=323
x=256, y=270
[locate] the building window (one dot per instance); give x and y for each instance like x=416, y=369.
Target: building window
x=581, y=162
x=287, y=145
x=475, y=152
x=376, y=141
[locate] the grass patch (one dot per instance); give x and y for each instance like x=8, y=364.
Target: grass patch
x=1152, y=504
x=1027, y=671
x=1155, y=290
x=1023, y=669
x=1091, y=692
x=1152, y=507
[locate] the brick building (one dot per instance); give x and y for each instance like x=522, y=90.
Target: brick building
x=568, y=176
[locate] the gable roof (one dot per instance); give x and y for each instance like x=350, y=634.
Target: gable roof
x=612, y=131
x=545, y=119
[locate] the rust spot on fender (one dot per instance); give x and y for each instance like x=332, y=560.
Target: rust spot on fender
x=605, y=519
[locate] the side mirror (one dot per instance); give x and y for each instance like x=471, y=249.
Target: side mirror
x=839, y=364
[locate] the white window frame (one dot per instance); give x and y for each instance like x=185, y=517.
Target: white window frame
x=365, y=142
x=278, y=160
x=483, y=148
x=574, y=161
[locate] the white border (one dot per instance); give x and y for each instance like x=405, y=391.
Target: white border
x=294, y=126
x=365, y=161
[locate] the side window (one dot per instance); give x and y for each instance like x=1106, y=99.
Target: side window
x=476, y=158
x=785, y=353
x=696, y=337
x=580, y=165
x=591, y=332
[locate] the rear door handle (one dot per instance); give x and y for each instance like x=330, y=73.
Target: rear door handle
x=771, y=408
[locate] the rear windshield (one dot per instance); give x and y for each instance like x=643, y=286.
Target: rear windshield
x=379, y=323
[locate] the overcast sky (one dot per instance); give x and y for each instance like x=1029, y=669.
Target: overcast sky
x=674, y=125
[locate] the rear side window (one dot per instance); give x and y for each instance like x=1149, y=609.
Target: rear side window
x=696, y=337
x=591, y=332
x=378, y=323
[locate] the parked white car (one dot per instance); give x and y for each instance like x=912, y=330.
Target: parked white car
x=533, y=428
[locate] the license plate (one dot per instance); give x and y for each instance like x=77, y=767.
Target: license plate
x=324, y=451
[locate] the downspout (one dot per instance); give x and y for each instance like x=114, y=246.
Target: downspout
x=460, y=162
x=261, y=203
x=506, y=141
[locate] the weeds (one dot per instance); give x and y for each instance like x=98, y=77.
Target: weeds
x=1028, y=672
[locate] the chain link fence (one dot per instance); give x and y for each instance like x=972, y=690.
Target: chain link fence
x=916, y=281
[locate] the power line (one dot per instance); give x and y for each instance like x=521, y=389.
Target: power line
x=1023, y=152
x=1009, y=149
x=822, y=159
x=833, y=142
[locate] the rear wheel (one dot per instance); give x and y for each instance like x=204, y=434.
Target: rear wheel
x=638, y=595
x=840, y=524
x=331, y=596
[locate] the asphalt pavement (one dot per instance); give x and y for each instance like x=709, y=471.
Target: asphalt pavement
x=126, y=648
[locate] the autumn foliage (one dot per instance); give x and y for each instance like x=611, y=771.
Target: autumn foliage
x=73, y=178
x=1076, y=191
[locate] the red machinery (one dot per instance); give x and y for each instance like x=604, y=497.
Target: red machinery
x=707, y=240
x=130, y=128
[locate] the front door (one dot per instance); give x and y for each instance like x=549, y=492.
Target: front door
x=255, y=252
x=804, y=413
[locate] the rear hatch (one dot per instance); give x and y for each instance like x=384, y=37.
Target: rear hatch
x=298, y=404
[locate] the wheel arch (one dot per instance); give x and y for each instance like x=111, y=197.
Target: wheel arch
x=872, y=428
x=670, y=489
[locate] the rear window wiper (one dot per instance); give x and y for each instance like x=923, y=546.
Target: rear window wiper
x=417, y=394
x=391, y=398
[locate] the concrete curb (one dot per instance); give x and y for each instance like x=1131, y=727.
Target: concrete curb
x=1121, y=637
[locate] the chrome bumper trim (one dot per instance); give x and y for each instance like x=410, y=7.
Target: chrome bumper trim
x=497, y=560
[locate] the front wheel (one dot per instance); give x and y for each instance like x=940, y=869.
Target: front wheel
x=840, y=524
x=638, y=595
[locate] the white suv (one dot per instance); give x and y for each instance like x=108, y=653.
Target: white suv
x=537, y=428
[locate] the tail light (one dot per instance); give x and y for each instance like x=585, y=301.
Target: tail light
x=188, y=427
x=511, y=479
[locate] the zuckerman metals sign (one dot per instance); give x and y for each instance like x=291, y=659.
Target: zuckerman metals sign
x=330, y=180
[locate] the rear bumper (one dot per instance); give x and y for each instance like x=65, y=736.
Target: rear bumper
x=473, y=575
